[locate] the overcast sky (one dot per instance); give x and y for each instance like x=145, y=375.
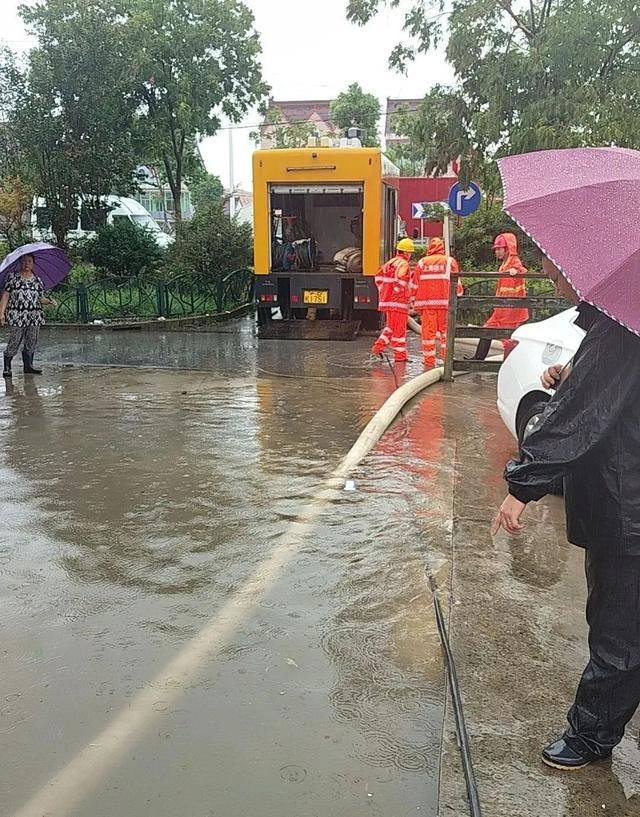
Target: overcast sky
x=310, y=51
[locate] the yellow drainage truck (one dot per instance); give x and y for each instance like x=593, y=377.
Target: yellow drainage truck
x=325, y=219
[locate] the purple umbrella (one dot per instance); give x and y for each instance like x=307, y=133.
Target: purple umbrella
x=50, y=264
x=582, y=208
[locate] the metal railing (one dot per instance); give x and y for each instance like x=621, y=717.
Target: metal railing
x=143, y=299
x=539, y=305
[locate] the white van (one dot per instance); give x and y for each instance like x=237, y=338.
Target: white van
x=117, y=208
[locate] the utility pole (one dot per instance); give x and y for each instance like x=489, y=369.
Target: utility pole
x=232, y=181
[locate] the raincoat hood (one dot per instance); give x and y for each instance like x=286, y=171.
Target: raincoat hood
x=436, y=247
x=511, y=241
x=511, y=259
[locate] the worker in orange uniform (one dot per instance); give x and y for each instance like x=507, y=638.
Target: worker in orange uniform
x=514, y=286
x=394, y=293
x=432, y=279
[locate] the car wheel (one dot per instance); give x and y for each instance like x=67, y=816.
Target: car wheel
x=529, y=419
x=527, y=422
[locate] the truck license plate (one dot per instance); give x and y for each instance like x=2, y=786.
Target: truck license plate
x=315, y=296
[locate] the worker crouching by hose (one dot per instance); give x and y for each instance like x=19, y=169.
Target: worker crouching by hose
x=394, y=293
x=431, y=286
x=513, y=286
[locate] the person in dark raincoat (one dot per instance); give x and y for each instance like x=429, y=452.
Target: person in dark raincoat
x=590, y=435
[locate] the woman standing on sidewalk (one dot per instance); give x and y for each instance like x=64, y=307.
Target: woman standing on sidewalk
x=21, y=309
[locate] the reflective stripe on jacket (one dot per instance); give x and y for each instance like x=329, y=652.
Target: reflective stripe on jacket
x=394, y=285
x=432, y=278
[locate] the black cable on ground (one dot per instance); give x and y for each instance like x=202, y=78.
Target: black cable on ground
x=461, y=726
x=395, y=376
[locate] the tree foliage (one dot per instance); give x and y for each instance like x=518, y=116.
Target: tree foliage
x=206, y=189
x=15, y=208
x=408, y=158
x=195, y=61
x=74, y=113
x=545, y=74
x=281, y=133
x=16, y=190
x=210, y=245
x=115, y=83
x=123, y=250
x=354, y=108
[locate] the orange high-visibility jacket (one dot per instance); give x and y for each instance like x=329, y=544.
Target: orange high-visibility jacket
x=432, y=278
x=394, y=285
x=510, y=287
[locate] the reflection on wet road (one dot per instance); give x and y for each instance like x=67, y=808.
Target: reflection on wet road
x=137, y=503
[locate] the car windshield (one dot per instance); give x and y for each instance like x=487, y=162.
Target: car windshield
x=144, y=220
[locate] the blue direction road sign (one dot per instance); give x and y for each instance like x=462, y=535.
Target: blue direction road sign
x=464, y=202
x=417, y=210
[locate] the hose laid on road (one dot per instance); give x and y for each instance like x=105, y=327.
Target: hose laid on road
x=383, y=419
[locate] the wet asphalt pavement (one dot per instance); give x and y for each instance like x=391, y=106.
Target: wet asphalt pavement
x=187, y=631
x=137, y=504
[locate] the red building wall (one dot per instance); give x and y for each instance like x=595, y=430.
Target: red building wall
x=421, y=189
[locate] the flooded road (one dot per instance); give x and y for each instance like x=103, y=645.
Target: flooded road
x=194, y=624
x=137, y=505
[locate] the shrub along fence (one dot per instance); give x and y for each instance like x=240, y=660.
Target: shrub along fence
x=141, y=299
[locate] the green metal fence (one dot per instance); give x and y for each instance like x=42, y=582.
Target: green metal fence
x=140, y=299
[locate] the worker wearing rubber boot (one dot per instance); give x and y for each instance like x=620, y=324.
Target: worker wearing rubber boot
x=432, y=278
x=394, y=293
x=589, y=435
x=506, y=249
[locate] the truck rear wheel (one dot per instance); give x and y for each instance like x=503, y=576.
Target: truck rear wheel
x=264, y=315
x=370, y=319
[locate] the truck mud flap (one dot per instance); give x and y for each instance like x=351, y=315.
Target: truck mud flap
x=309, y=330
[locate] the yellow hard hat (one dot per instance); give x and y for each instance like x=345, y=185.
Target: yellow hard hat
x=406, y=245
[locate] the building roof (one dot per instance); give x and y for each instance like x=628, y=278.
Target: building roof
x=303, y=110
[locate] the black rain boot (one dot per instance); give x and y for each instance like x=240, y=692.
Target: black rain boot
x=7, y=366
x=27, y=359
x=484, y=344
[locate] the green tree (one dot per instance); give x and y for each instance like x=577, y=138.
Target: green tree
x=196, y=61
x=123, y=250
x=206, y=189
x=408, y=158
x=354, y=108
x=16, y=191
x=281, y=133
x=210, y=245
x=15, y=208
x=552, y=73
x=74, y=111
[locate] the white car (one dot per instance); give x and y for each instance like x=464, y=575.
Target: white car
x=119, y=208
x=521, y=396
